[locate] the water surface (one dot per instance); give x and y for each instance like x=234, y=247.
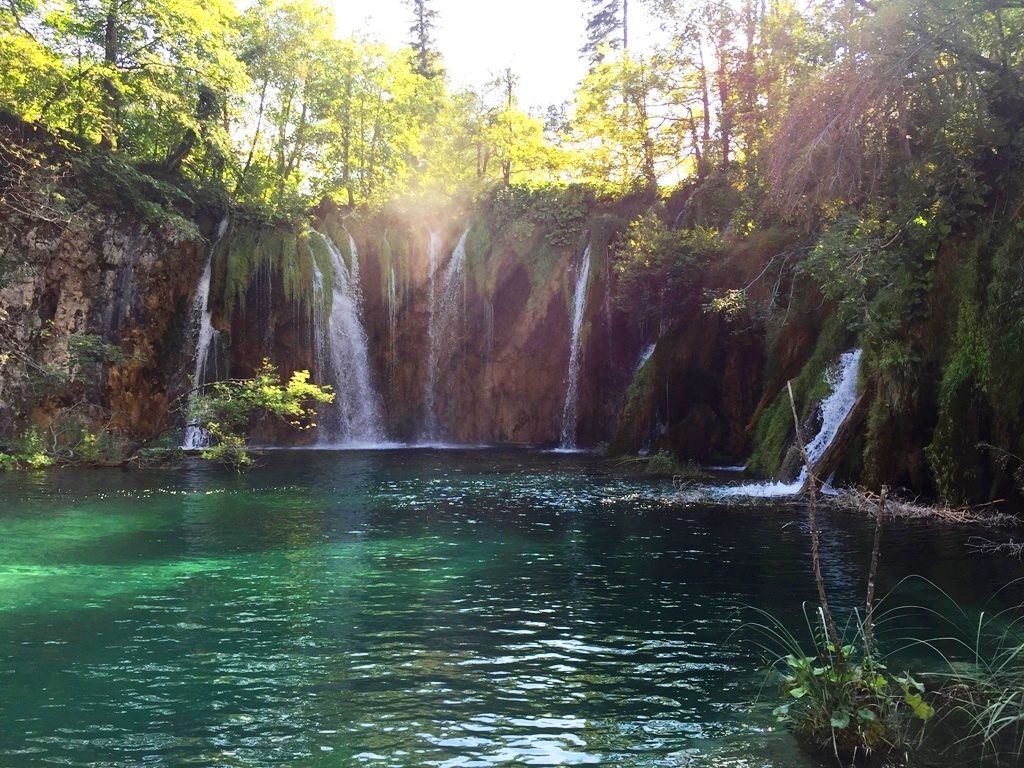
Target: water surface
x=406, y=608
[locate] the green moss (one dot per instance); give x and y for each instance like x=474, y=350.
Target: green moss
x=636, y=410
x=953, y=454
x=250, y=251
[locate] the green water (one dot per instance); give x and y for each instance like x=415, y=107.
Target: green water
x=405, y=608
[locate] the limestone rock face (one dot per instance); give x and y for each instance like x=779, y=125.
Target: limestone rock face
x=92, y=321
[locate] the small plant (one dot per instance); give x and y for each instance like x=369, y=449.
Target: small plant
x=990, y=690
x=29, y=453
x=228, y=410
x=662, y=464
x=841, y=697
x=33, y=450
x=844, y=700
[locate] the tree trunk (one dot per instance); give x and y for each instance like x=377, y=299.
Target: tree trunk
x=206, y=109
x=625, y=25
x=111, y=53
x=705, y=100
x=255, y=139
x=725, y=108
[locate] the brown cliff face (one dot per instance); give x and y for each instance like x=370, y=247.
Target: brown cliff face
x=502, y=350
x=501, y=369
x=93, y=320
x=697, y=393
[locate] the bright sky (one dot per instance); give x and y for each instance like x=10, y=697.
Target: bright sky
x=538, y=39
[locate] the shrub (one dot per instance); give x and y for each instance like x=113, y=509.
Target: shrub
x=843, y=700
x=229, y=409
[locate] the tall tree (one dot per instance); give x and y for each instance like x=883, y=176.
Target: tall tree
x=628, y=127
x=424, y=19
x=607, y=28
x=149, y=78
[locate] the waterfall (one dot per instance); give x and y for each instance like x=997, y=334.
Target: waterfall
x=206, y=337
x=446, y=312
x=392, y=321
x=579, y=308
x=433, y=254
x=319, y=321
x=354, y=418
x=644, y=357
x=834, y=411
x=836, y=407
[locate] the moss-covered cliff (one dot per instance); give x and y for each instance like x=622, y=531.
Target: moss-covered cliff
x=100, y=265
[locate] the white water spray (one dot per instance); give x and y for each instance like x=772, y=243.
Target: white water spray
x=354, y=418
x=205, y=334
x=835, y=409
x=579, y=308
x=446, y=311
x=646, y=355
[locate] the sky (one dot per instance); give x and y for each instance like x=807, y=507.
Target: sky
x=538, y=39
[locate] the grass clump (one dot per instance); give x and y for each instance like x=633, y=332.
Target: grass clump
x=661, y=464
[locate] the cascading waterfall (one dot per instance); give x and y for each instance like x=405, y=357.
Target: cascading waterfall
x=446, y=312
x=834, y=411
x=433, y=254
x=392, y=321
x=646, y=355
x=579, y=308
x=354, y=418
x=205, y=335
x=318, y=320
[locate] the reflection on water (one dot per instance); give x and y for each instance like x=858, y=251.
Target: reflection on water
x=404, y=608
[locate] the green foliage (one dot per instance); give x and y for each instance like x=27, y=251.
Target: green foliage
x=228, y=410
x=658, y=266
x=877, y=268
x=227, y=448
x=953, y=454
x=87, y=350
x=633, y=416
x=661, y=465
x=253, y=253
x=842, y=700
x=29, y=452
x=990, y=691
x=559, y=211
x=616, y=109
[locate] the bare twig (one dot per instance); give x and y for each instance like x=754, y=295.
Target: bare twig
x=869, y=601
x=812, y=518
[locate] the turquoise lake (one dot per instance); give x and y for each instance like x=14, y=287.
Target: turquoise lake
x=408, y=608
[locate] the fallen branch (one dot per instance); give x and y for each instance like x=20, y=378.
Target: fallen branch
x=869, y=503
x=1012, y=547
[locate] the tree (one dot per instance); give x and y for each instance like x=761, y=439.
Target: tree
x=150, y=78
x=378, y=113
x=607, y=28
x=426, y=57
x=515, y=139
x=627, y=128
